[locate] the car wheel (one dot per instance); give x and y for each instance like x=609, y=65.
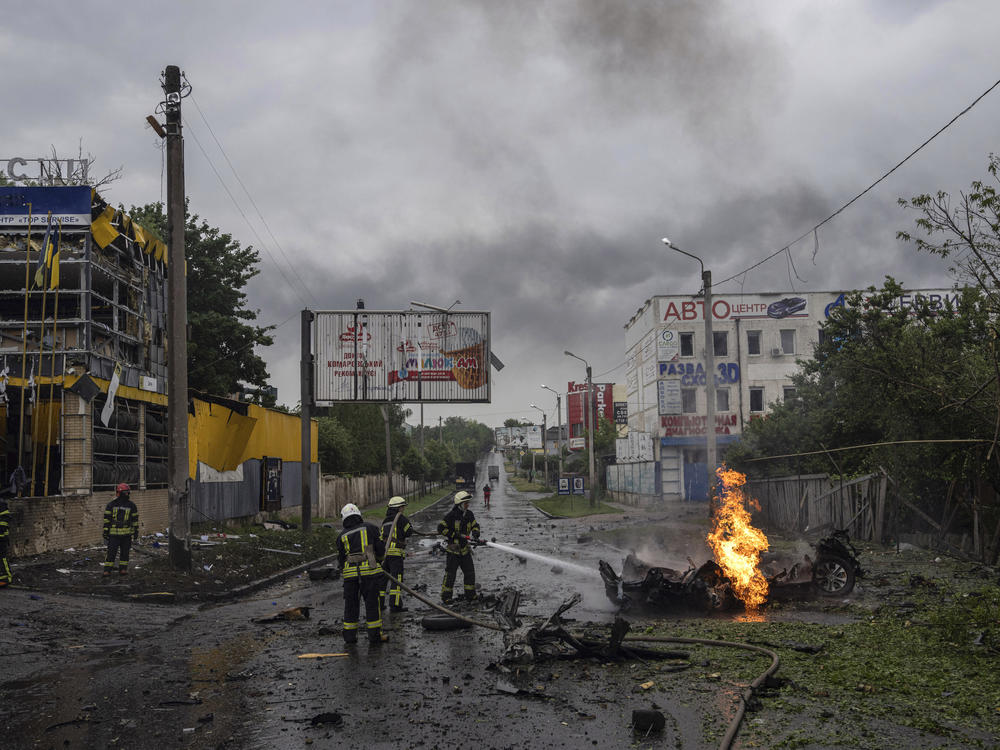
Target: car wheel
x=833, y=576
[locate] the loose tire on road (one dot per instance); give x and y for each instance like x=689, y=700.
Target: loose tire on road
x=444, y=622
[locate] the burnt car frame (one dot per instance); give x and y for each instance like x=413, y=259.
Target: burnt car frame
x=832, y=571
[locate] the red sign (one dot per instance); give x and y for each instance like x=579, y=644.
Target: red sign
x=576, y=399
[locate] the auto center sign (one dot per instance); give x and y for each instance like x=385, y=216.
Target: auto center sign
x=744, y=307
x=787, y=306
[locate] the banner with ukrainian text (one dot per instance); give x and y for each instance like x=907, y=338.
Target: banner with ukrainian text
x=408, y=356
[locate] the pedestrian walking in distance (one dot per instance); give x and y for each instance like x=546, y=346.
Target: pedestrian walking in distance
x=121, y=526
x=5, y=577
x=458, y=527
x=395, y=528
x=360, y=552
x=487, y=491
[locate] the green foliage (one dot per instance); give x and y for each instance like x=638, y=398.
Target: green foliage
x=440, y=460
x=413, y=465
x=352, y=438
x=221, y=349
x=466, y=438
x=570, y=506
x=336, y=446
x=881, y=375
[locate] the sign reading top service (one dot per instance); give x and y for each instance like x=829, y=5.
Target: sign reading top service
x=68, y=205
x=373, y=356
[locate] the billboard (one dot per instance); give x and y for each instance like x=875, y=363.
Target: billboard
x=70, y=205
x=409, y=356
x=534, y=436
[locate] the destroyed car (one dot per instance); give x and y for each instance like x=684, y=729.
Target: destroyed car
x=832, y=571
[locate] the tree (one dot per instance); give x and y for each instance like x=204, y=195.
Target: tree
x=413, y=465
x=335, y=446
x=221, y=348
x=967, y=233
x=366, y=428
x=440, y=459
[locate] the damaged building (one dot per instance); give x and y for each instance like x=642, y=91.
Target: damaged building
x=83, y=366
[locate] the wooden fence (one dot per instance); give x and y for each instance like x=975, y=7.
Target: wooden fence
x=816, y=503
x=364, y=491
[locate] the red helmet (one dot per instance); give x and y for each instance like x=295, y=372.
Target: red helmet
x=122, y=488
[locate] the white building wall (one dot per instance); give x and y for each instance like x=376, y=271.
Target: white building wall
x=679, y=435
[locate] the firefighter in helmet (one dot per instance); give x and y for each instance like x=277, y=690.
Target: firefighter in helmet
x=395, y=528
x=459, y=527
x=121, y=526
x=360, y=551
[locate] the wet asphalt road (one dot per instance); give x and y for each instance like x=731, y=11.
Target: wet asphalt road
x=96, y=673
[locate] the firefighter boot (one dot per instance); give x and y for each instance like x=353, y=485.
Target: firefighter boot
x=376, y=637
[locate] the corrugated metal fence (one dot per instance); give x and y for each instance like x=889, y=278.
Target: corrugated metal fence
x=815, y=502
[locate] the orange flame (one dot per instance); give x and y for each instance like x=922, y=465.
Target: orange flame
x=735, y=541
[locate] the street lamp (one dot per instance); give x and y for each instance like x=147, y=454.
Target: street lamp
x=545, y=452
x=588, y=421
x=558, y=425
x=706, y=279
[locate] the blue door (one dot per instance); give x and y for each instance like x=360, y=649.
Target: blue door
x=696, y=482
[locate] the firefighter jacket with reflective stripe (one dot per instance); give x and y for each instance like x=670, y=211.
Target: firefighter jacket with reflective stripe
x=456, y=526
x=121, y=518
x=359, y=548
x=4, y=522
x=394, y=539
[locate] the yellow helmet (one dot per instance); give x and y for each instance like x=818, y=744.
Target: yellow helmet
x=462, y=497
x=397, y=502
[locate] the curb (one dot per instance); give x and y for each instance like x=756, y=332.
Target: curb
x=259, y=584
x=254, y=586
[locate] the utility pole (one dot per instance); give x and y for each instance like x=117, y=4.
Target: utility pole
x=558, y=426
x=711, y=454
x=590, y=441
x=588, y=423
x=178, y=488
x=706, y=278
x=388, y=447
x=305, y=374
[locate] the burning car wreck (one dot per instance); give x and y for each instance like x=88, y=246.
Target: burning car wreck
x=831, y=571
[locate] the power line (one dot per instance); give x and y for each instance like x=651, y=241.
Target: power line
x=868, y=445
x=239, y=209
x=250, y=198
x=913, y=153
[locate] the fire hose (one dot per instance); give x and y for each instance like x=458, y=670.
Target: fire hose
x=745, y=697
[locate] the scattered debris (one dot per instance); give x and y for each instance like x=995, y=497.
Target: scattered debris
x=526, y=644
x=648, y=721
x=331, y=717
x=326, y=572
x=319, y=656
x=163, y=597
x=647, y=685
x=295, y=613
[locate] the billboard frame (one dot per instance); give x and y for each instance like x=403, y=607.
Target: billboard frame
x=462, y=366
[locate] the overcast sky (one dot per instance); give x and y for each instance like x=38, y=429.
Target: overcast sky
x=522, y=156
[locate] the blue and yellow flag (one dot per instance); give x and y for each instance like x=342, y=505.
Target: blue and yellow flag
x=47, y=269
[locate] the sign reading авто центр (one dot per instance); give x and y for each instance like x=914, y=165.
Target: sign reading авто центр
x=410, y=356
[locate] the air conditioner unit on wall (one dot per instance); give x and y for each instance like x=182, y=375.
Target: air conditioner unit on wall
x=776, y=352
